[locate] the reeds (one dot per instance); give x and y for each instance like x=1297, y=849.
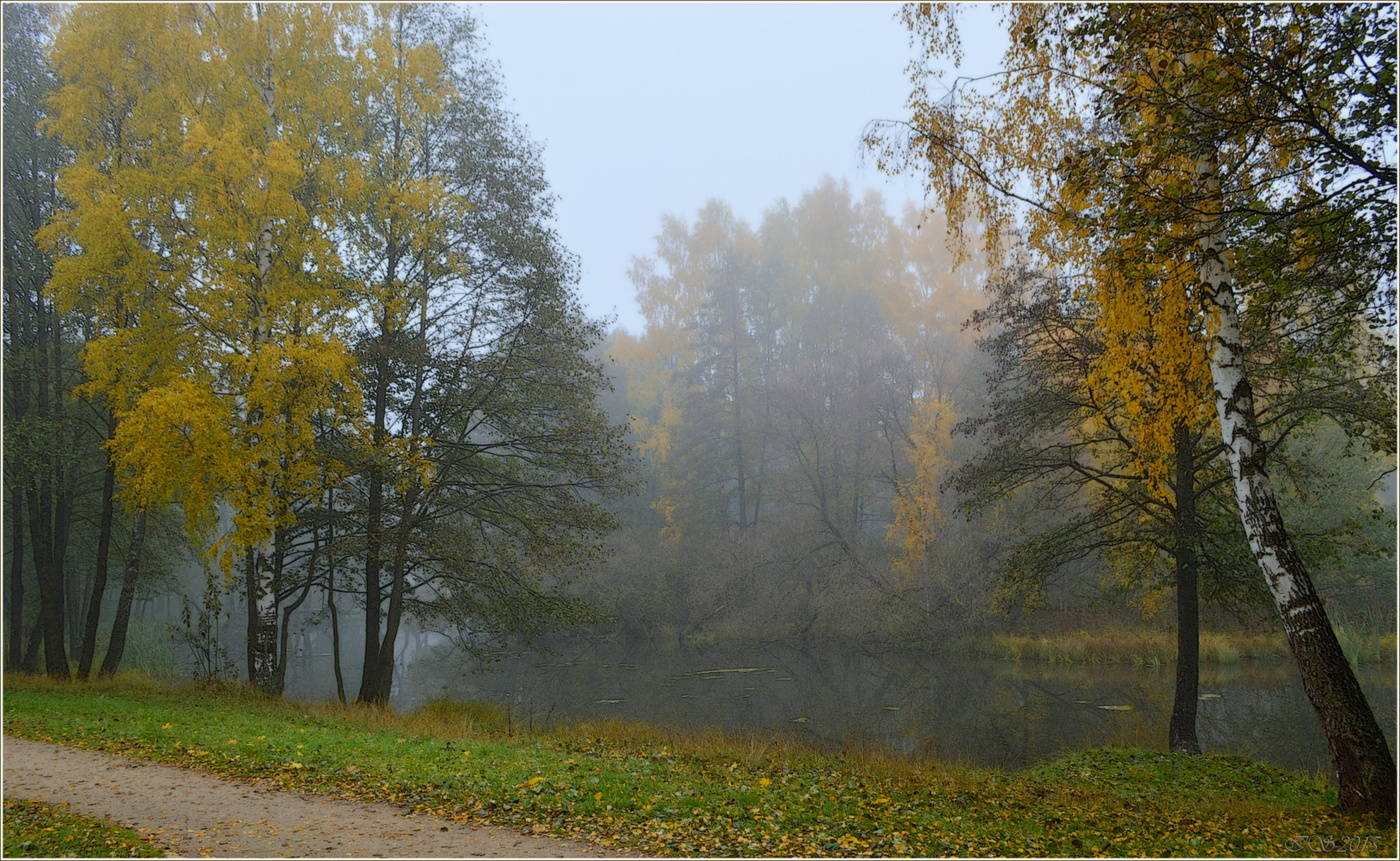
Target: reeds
x=1148, y=648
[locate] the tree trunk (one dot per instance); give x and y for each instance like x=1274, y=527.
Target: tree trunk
x=369, y=676
x=250, y=617
x=280, y=673
x=384, y=672
x=760, y=477
x=14, y=596
x=330, y=594
x=335, y=634
x=51, y=603
x=1181, y=732
x=262, y=619
x=1365, y=769
x=75, y=587
x=44, y=516
x=282, y=657
x=734, y=384
x=262, y=563
x=383, y=680
x=30, y=664
x=64, y=491
x=393, y=253
x=116, y=645
x=374, y=514
x=99, y=580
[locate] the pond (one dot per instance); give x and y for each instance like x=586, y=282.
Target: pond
x=959, y=709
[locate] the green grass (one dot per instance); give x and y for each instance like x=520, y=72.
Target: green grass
x=655, y=791
x=37, y=829
x=1149, y=648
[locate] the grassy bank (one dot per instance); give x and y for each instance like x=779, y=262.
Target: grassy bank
x=1141, y=647
x=36, y=829
x=654, y=791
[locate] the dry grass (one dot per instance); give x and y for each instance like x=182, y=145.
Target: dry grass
x=447, y=719
x=470, y=720
x=1143, y=647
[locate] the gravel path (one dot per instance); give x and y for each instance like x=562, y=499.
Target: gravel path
x=197, y=814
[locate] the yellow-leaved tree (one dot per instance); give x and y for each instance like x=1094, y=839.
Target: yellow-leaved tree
x=1183, y=160
x=926, y=313
x=916, y=502
x=209, y=155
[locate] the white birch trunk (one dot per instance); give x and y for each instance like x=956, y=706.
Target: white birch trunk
x=262, y=648
x=1364, y=767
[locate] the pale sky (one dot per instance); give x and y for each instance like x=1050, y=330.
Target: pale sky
x=646, y=109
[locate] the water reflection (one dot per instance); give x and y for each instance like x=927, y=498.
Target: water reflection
x=952, y=708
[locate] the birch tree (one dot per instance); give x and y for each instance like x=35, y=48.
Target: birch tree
x=198, y=205
x=1187, y=143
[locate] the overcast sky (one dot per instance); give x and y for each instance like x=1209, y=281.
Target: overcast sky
x=650, y=109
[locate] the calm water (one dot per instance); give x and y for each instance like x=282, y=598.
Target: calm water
x=959, y=709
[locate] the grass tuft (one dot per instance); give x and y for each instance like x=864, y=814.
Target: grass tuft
x=453, y=715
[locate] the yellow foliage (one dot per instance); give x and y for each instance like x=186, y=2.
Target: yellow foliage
x=916, y=501
x=984, y=149
x=1153, y=374
x=196, y=233
x=666, y=506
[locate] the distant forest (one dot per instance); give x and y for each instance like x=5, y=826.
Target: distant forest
x=843, y=433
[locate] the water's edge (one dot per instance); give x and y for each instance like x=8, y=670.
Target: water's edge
x=962, y=709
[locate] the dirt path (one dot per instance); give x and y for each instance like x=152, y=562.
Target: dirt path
x=197, y=814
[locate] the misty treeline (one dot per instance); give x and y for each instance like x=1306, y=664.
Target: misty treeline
x=844, y=434
x=786, y=374
x=285, y=315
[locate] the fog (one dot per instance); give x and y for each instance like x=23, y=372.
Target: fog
x=646, y=110
x=610, y=375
